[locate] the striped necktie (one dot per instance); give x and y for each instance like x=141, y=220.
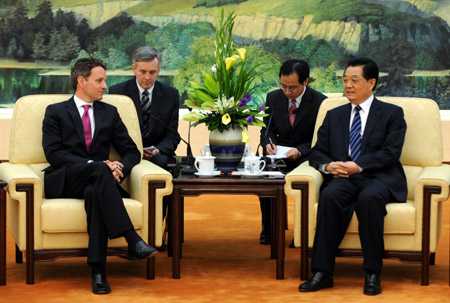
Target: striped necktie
x=145, y=105
x=355, y=135
x=291, y=110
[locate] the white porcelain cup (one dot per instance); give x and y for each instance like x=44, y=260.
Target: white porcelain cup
x=253, y=165
x=205, y=165
x=205, y=150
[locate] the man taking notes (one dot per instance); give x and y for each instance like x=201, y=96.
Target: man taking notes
x=292, y=115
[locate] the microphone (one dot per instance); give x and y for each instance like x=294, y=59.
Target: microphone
x=265, y=136
x=189, y=168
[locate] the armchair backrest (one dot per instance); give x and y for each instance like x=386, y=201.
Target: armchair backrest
x=424, y=128
x=26, y=129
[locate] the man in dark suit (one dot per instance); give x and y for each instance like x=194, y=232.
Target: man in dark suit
x=77, y=135
x=157, y=106
x=290, y=122
x=358, y=151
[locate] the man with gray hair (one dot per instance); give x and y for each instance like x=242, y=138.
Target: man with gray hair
x=157, y=106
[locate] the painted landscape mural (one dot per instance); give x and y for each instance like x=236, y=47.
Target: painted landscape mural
x=410, y=40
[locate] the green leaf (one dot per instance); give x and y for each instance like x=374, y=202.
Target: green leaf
x=210, y=106
x=211, y=84
x=192, y=116
x=192, y=104
x=204, y=97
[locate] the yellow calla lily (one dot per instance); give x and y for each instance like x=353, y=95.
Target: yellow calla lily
x=241, y=52
x=226, y=119
x=229, y=62
x=245, y=138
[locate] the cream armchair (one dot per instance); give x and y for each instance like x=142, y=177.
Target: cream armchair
x=412, y=229
x=50, y=228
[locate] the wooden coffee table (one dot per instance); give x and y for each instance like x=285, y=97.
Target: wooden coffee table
x=192, y=186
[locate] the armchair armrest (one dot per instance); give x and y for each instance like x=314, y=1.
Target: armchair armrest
x=144, y=172
x=304, y=173
x=308, y=191
x=28, y=199
x=434, y=176
x=139, y=189
x=15, y=174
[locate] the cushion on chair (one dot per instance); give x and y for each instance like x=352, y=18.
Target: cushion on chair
x=68, y=215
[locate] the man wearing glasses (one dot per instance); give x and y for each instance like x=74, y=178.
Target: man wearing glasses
x=292, y=112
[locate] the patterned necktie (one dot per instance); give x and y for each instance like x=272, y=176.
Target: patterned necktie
x=145, y=103
x=355, y=135
x=291, y=110
x=87, y=126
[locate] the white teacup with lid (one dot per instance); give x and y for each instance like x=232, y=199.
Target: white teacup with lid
x=253, y=165
x=205, y=164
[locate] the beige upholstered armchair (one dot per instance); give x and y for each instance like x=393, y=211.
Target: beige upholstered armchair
x=50, y=228
x=412, y=229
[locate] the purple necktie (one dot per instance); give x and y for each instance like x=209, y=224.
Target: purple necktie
x=87, y=126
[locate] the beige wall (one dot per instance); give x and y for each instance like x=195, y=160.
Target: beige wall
x=199, y=137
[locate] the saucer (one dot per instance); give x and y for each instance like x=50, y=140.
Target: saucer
x=207, y=175
x=246, y=175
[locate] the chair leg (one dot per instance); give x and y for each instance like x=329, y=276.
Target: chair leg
x=19, y=255
x=432, y=258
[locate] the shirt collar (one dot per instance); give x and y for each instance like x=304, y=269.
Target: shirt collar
x=365, y=106
x=141, y=90
x=299, y=98
x=79, y=102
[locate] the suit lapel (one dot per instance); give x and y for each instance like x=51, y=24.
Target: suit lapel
x=344, y=121
x=98, y=117
x=156, y=103
x=374, y=114
x=303, y=108
x=75, y=115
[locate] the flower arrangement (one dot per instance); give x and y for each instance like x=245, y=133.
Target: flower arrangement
x=223, y=100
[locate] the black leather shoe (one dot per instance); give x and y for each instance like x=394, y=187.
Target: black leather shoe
x=292, y=245
x=140, y=251
x=162, y=248
x=318, y=281
x=264, y=239
x=372, y=284
x=100, y=285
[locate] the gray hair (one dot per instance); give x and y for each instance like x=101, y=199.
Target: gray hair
x=147, y=53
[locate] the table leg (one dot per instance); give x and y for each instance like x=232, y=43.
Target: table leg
x=176, y=237
x=2, y=233
x=273, y=228
x=280, y=224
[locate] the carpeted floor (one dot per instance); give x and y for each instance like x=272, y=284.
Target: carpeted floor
x=223, y=262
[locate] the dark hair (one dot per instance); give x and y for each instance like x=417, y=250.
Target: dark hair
x=300, y=67
x=83, y=68
x=370, y=68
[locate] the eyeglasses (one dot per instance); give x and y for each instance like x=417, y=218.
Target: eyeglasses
x=352, y=79
x=290, y=88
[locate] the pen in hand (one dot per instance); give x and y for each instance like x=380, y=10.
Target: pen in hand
x=271, y=143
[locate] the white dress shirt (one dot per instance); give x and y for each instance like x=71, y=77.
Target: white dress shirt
x=79, y=103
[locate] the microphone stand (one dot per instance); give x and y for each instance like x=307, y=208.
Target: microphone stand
x=189, y=168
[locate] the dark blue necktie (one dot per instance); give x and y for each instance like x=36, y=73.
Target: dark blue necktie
x=355, y=135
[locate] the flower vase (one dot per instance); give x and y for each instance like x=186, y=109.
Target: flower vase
x=227, y=147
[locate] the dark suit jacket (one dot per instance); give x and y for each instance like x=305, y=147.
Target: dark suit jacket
x=381, y=145
x=164, y=110
x=279, y=130
x=64, y=144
